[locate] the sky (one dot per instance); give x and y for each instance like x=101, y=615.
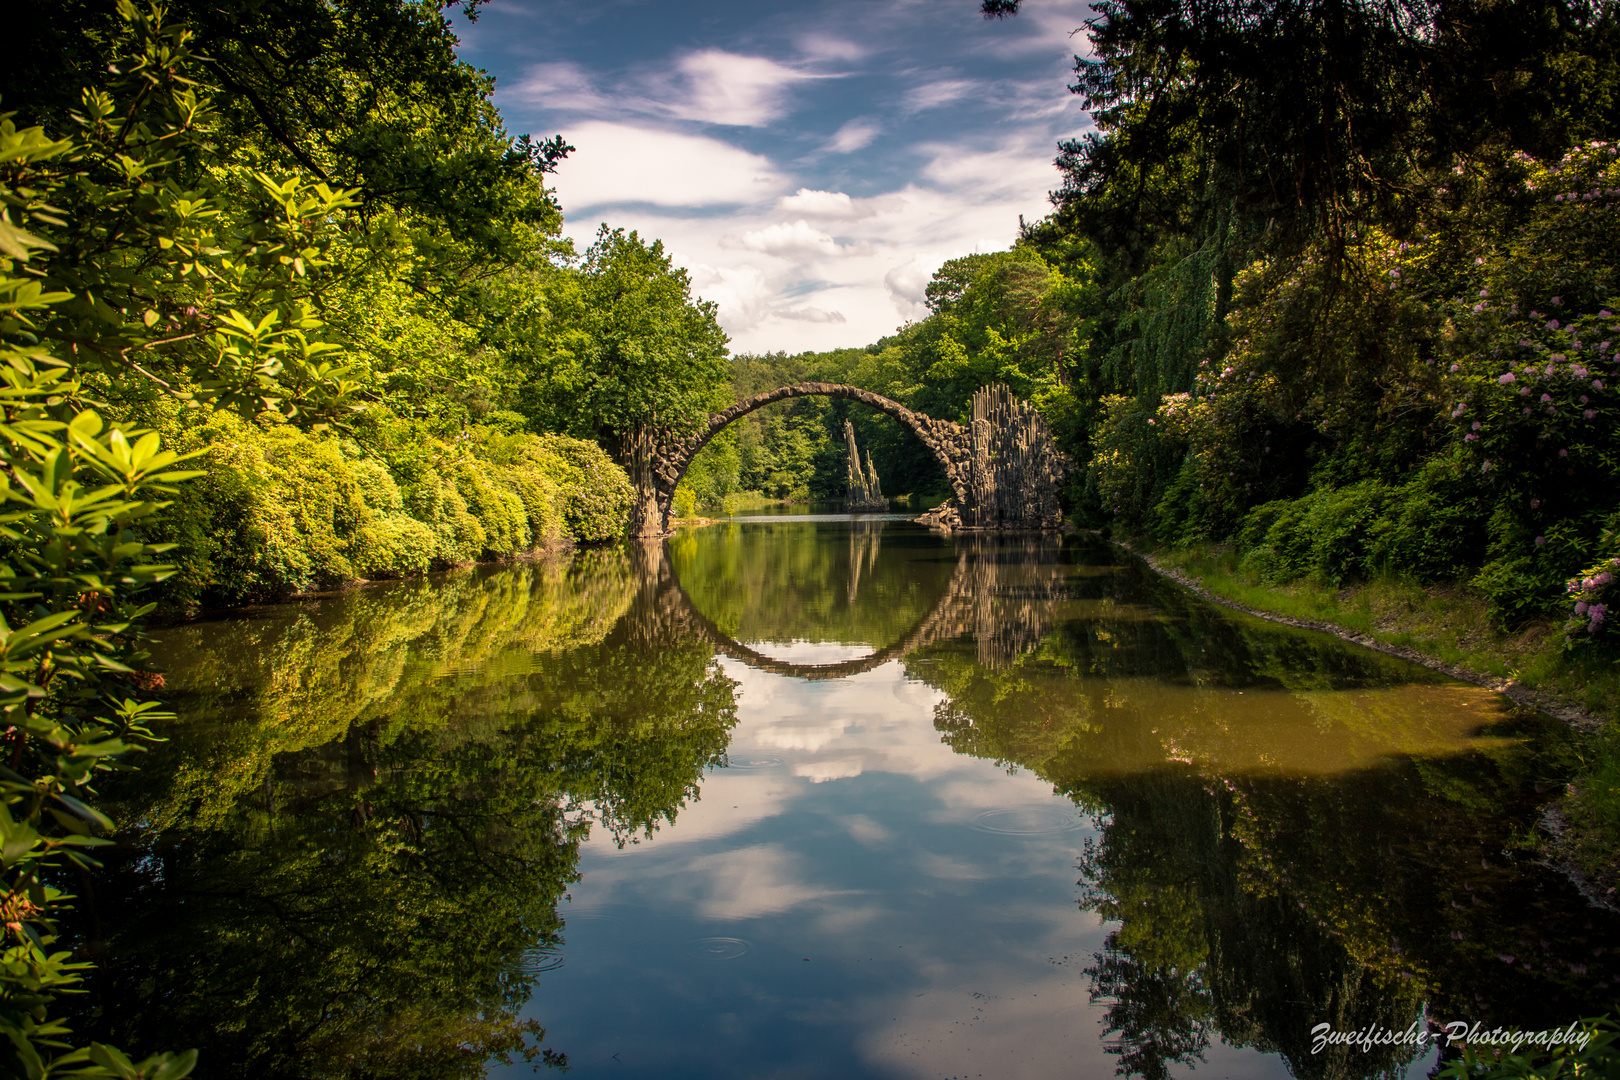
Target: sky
x=810, y=163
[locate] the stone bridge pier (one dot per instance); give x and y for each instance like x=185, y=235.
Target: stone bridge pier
x=1004, y=470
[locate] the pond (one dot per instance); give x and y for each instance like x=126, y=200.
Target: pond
x=821, y=796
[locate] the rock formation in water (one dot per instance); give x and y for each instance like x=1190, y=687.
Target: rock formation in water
x=864, y=491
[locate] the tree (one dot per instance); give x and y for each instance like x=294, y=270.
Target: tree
x=634, y=356
x=1303, y=114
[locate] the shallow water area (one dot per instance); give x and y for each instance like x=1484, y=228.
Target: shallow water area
x=826, y=795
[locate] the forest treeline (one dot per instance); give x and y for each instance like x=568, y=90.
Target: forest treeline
x=1329, y=282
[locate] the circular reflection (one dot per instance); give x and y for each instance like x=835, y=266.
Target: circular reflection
x=1028, y=820
x=717, y=948
x=541, y=959
x=753, y=762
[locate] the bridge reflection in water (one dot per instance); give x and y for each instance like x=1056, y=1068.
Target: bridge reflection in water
x=1004, y=591
x=429, y=794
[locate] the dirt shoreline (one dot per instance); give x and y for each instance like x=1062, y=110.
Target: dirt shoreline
x=1539, y=700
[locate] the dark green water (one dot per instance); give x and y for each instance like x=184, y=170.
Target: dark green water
x=821, y=798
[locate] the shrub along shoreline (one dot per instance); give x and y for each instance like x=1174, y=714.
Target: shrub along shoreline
x=281, y=512
x=1445, y=628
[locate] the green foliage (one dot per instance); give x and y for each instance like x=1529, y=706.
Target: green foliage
x=385, y=791
x=633, y=351
x=77, y=492
x=177, y=281
x=1597, y=1057
x=282, y=511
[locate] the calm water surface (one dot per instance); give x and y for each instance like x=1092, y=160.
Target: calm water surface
x=814, y=796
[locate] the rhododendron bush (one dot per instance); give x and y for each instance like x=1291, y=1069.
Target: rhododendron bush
x=1455, y=379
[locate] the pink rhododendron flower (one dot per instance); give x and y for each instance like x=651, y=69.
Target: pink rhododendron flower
x=1535, y=504
x=1508, y=378
x=1590, y=414
x=1597, y=384
x=1552, y=324
x=1456, y=367
x=1546, y=398
x=1558, y=301
x=1563, y=453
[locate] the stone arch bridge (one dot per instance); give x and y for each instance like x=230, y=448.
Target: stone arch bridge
x=1003, y=467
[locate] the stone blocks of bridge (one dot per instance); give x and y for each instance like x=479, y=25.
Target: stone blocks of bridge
x=1004, y=470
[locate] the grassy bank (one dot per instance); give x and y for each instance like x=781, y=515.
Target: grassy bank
x=1450, y=626
x=1447, y=623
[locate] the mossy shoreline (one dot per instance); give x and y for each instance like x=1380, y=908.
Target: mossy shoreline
x=1409, y=622
x=1446, y=629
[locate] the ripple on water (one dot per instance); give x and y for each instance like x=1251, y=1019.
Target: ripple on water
x=541, y=959
x=717, y=948
x=753, y=762
x=1029, y=820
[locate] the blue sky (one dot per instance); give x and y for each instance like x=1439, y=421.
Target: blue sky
x=810, y=163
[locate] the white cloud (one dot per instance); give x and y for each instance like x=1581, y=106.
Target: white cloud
x=816, y=46
x=621, y=163
x=741, y=293
x=560, y=87
x=937, y=93
x=908, y=284
x=1011, y=168
x=717, y=87
x=854, y=135
x=798, y=239
x=832, y=204
x=819, y=772
x=710, y=86
x=809, y=314
x=746, y=883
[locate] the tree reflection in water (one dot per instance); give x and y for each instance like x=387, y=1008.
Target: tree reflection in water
x=347, y=861
x=1291, y=831
x=378, y=903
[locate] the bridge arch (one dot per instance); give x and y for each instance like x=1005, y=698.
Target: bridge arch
x=1003, y=467
x=944, y=439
